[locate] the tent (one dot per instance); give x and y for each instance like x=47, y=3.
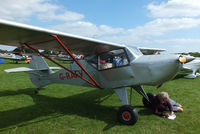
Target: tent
x=1, y=61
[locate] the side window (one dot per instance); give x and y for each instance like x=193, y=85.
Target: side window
x=112, y=59
x=94, y=62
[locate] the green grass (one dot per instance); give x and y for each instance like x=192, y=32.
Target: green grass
x=66, y=109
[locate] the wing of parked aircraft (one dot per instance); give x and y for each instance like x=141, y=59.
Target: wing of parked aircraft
x=150, y=51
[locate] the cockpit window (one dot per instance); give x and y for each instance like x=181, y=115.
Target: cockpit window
x=111, y=59
x=136, y=51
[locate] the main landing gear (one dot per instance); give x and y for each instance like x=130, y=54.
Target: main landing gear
x=147, y=103
x=127, y=114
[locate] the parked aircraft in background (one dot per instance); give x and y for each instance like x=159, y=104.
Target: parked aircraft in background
x=66, y=57
x=14, y=57
x=105, y=65
x=62, y=57
x=194, y=66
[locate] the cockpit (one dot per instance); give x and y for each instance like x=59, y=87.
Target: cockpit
x=115, y=58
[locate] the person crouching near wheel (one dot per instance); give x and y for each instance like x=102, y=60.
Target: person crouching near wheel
x=162, y=103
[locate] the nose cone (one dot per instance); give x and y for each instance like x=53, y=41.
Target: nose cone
x=156, y=69
x=186, y=58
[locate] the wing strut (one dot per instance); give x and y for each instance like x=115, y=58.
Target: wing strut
x=94, y=83
x=71, y=55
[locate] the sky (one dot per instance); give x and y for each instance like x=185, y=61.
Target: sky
x=173, y=25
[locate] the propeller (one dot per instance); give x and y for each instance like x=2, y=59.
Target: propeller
x=185, y=58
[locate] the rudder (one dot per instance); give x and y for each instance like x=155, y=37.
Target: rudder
x=40, y=76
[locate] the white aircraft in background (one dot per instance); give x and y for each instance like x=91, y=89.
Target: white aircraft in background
x=15, y=56
x=62, y=57
x=105, y=65
x=66, y=57
x=194, y=66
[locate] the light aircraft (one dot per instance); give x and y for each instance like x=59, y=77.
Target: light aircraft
x=64, y=57
x=105, y=66
x=194, y=66
x=14, y=57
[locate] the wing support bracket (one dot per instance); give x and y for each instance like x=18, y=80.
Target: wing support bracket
x=141, y=91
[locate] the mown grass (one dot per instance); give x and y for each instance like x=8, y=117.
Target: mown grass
x=66, y=109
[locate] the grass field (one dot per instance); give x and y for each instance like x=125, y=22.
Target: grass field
x=66, y=109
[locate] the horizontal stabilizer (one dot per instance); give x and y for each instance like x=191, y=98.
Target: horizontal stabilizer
x=26, y=69
x=54, y=68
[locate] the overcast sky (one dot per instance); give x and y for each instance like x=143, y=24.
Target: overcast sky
x=170, y=24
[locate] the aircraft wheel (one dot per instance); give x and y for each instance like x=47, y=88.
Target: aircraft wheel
x=127, y=115
x=146, y=102
x=37, y=91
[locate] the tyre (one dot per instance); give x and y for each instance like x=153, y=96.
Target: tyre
x=146, y=102
x=127, y=115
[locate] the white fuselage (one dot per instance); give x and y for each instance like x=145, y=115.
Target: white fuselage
x=194, y=66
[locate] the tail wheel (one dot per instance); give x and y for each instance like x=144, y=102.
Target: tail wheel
x=127, y=115
x=37, y=90
x=146, y=102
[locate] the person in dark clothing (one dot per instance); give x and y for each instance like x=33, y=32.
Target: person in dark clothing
x=161, y=103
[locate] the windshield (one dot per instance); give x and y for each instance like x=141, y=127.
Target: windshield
x=112, y=59
x=135, y=51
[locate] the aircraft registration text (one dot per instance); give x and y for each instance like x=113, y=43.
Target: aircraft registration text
x=69, y=75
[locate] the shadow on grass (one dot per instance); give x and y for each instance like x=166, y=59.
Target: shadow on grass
x=86, y=104
x=182, y=73
x=145, y=112
x=179, y=76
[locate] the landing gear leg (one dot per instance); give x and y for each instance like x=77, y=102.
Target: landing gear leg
x=127, y=114
x=147, y=103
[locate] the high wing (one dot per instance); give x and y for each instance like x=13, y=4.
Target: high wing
x=150, y=51
x=16, y=34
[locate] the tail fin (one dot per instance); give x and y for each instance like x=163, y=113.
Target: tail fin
x=37, y=62
x=39, y=77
